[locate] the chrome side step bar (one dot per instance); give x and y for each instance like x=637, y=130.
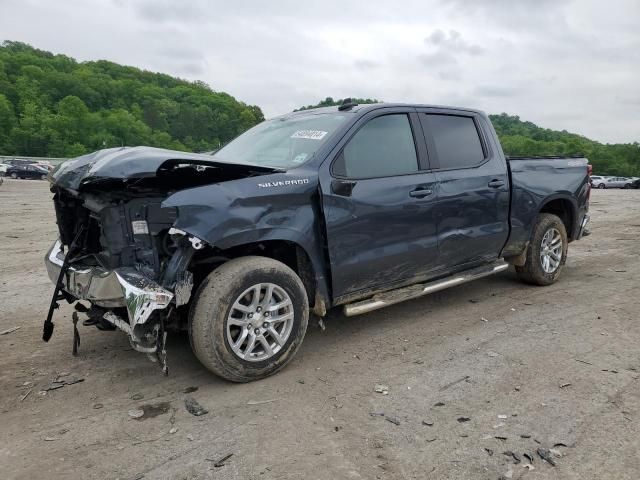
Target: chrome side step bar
x=381, y=300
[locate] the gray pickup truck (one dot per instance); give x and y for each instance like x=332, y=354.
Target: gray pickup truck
x=358, y=206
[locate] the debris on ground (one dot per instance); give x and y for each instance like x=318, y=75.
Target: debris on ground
x=556, y=452
x=528, y=456
x=463, y=419
x=23, y=397
x=189, y=389
x=498, y=437
x=393, y=420
x=489, y=451
x=173, y=430
x=545, y=454
x=376, y=414
x=428, y=423
x=58, y=383
x=220, y=462
x=260, y=402
x=9, y=330
x=455, y=382
x=194, y=408
x=97, y=406
x=564, y=385
x=493, y=354
x=502, y=417
x=383, y=389
x=484, y=319
x=136, y=413
x=513, y=455
x=582, y=361
x=525, y=435
x=438, y=404
x=137, y=396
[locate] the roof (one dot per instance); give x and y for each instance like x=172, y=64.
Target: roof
x=365, y=107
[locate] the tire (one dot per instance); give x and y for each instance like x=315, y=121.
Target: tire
x=533, y=271
x=43, y=177
x=211, y=327
x=14, y=175
x=602, y=185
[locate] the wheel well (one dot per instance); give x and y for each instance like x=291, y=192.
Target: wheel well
x=564, y=210
x=289, y=253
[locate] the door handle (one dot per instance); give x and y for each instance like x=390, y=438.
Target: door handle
x=496, y=183
x=420, y=193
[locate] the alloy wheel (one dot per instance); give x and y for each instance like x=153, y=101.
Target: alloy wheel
x=551, y=250
x=260, y=322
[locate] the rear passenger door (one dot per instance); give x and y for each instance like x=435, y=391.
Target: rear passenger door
x=472, y=212
x=378, y=199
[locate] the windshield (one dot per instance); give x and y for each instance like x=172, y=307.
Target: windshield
x=282, y=142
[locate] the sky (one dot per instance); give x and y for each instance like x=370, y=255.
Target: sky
x=562, y=64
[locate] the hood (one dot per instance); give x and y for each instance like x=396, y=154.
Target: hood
x=135, y=163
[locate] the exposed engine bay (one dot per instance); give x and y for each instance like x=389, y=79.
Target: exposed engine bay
x=118, y=250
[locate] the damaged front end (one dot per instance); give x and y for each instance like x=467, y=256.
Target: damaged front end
x=118, y=248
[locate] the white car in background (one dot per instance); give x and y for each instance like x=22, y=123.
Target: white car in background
x=611, y=182
x=3, y=169
x=597, y=180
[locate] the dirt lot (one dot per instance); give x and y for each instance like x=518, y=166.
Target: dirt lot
x=529, y=367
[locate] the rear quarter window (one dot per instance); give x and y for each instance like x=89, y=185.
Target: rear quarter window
x=456, y=140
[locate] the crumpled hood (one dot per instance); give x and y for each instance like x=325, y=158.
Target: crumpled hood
x=130, y=163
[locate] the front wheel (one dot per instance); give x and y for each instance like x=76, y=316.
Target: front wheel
x=547, y=251
x=602, y=185
x=14, y=175
x=248, y=318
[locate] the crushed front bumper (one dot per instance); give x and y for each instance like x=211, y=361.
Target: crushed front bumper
x=121, y=287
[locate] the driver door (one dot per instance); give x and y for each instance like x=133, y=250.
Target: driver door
x=378, y=202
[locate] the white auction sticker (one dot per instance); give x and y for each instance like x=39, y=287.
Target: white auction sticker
x=140, y=227
x=310, y=134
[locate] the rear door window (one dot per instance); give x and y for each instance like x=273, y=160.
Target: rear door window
x=383, y=147
x=456, y=140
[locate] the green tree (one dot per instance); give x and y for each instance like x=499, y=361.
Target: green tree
x=51, y=105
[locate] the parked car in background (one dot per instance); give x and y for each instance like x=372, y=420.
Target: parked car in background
x=613, y=182
x=597, y=180
x=19, y=161
x=27, y=171
x=45, y=165
x=3, y=169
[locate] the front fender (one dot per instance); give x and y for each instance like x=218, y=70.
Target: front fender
x=281, y=206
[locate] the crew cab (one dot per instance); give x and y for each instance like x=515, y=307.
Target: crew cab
x=357, y=206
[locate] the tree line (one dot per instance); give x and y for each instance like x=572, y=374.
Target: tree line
x=53, y=106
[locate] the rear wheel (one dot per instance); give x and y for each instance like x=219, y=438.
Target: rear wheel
x=547, y=251
x=14, y=175
x=43, y=177
x=602, y=185
x=248, y=318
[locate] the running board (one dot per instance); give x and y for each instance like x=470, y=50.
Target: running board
x=392, y=297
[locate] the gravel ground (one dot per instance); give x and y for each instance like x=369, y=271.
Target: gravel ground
x=494, y=366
